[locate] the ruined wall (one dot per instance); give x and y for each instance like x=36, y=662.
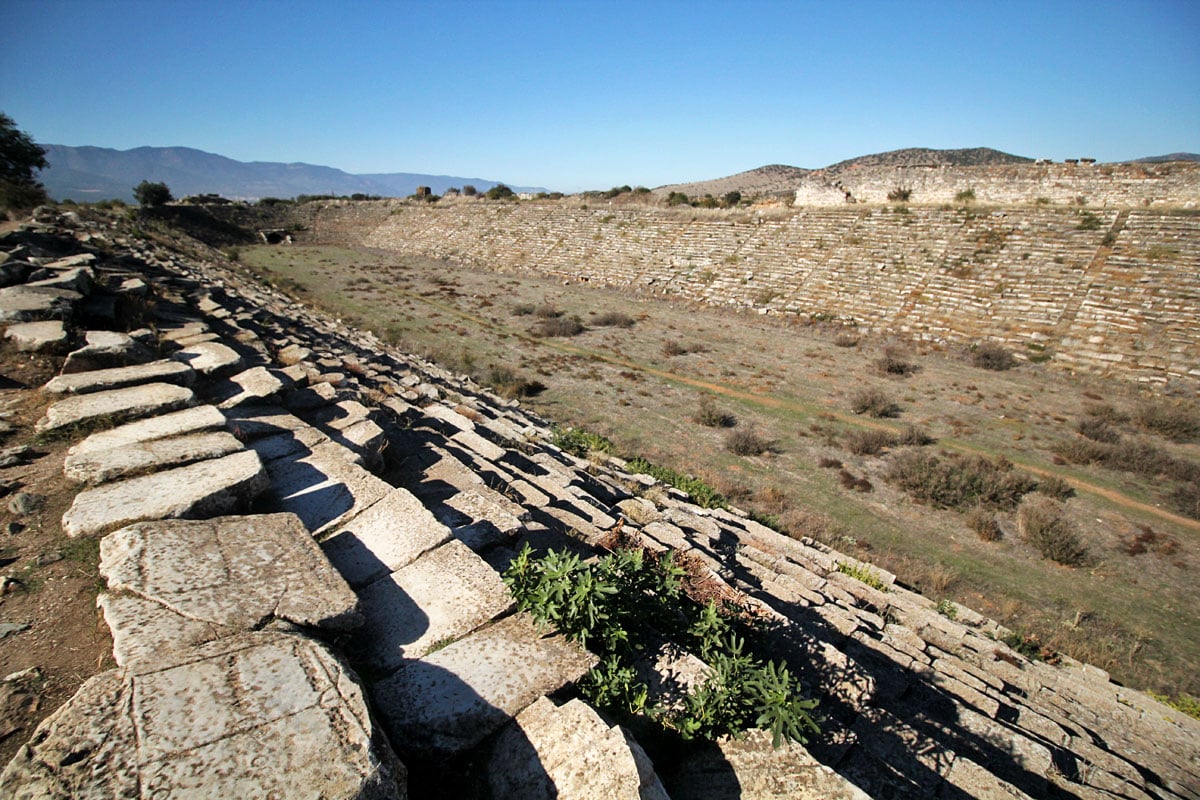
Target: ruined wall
x=1101, y=290
x=1104, y=185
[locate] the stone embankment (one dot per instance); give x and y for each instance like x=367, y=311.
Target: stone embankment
x=1108, y=291
x=302, y=533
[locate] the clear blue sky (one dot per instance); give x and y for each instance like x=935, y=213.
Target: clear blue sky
x=587, y=94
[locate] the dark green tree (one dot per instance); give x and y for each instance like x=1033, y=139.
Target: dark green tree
x=731, y=199
x=152, y=194
x=19, y=157
x=499, y=192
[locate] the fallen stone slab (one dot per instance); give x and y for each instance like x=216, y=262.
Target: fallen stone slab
x=388, y=535
x=261, y=714
x=452, y=699
x=101, y=380
x=197, y=491
x=322, y=484
x=115, y=406
x=249, y=422
x=49, y=336
x=751, y=769
x=106, y=350
x=441, y=596
x=177, y=423
x=235, y=572
x=210, y=358
x=567, y=752
x=135, y=459
x=254, y=385
x=78, y=279
x=23, y=303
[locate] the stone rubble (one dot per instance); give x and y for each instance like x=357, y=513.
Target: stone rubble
x=232, y=628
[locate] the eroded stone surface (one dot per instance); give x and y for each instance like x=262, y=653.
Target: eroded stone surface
x=443, y=595
x=450, y=700
x=257, y=715
x=176, y=423
x=115, y=405
x=134, y=459
x=209, y=358
x=31, y=303
x=197, y=491
x=106, y=350
x=235, y=572
x=49, y=336
x=321, y=486
x=105, y=379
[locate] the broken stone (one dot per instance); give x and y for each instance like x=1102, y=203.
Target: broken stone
x=104, y=379
x=25, y=303
x=197, y=491
x=114, y=406
x=210, y=358
x=106, y=350
x=261, y=714
x=108, y=465
x=176, y=423
x=23, y=503
x=252, y=385
x=9, y=628
x=49, y=336
x=49, y=557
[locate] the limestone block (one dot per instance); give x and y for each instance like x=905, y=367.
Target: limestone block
x=49, y=336
x=322, y=485
x=106, y=350
x=452, y=699
x=209, y=358
x=443, y=595
x=197, y=491
x=177, y=423
x=25, y=303
x=115, y=405
x=134, y=459
x=568, y=752
x=251, y=386
x=257, y=715
x=235, y=572
x=385, y=537
x=143, y=629
x=252, y=422
x=105, y=379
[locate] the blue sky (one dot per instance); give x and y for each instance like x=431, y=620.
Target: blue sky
x=575, y=95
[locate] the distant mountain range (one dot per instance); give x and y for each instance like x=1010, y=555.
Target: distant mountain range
x=99, y=173
x=1168, y=157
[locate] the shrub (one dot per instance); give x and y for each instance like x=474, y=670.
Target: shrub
x=507, y=383
x=873, y=402
x=1139, y=457
x=678, y=199
x=869, y=442
x=900, y=194
x=1097, y=430
x=547, y=311
x=913, y=436
x=1088, y=222
x=965, y=196
x=559, y=326
x=1186, y=499
x=500, y=192
x=152, y=194
x=523, y=309
x=982, y=520
x=746, y=442
x=579, y=442
x=731, y=199
x=710, y=416
x=845, y=340
x=674, y=347
x=1044, y=525
x=20, y=157
x=990, y=355
x=958, y=481
x=613, y=319
x=893, y=362
x=1056, y=487
x=701, y=493
x=469, y=190
x=1178, y=421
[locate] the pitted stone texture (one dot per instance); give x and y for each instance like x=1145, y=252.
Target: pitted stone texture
x=450, y=700
x=382, y=539
x=100, y=380
x=197, y=491
x=209, y=358
x=568, y=752
x=143, y=629
x=234, y=572
x=258, y=715
x=251, y=386
x=115, y=406
x=32, y=303
x=321, y=484
x=49, y=336
x=107, y=350
x=135, y=459
x=177, y=423
x=254, y=422
x=443, y=595
x=751, y=769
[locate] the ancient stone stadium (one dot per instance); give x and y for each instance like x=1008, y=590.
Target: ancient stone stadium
x=307, y=546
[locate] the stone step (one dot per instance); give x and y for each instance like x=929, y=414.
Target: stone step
x=145, y=457
x=177, y=423
x=164, y=371
x=108, y=408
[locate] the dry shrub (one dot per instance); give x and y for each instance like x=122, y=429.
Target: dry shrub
x=1056, y=487
x=772, y=500
x=894, y=363
x=873, y=402
x=1044, y=525
x=799, y=524
x=1186, y=499
x=1105, y=412
x=613, y=319
x=869, y=442
x=710, y=416
x=1098, y=430
x=674, y=347
x=746, y=442
x=982, y=520
x=1139, y=457
x=547, y=312
x=826, y=462
x=845, y=340
x=914, y=436
x=958, y=481
x=993, y=356
x=1178, y=421
x=559, y=326
x=851, y=481
x=508, y=384
x=1147, y=540
x=523, y=309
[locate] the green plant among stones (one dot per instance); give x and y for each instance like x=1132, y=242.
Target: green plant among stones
x=701, y=493
x=579, y=442
x=626, y=603
x=863, y=574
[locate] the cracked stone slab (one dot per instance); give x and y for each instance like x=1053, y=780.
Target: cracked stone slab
x=106, y=350
x=142, y=629
x=253, y=422
x=197, y=491
x=443, y=595
x=254, y=385
x=568, y=752
x=452, y=699
x=177, y=423
x=234, y=572
x=136, y=459
x=49, y=336
x=115, y=405
x=261, y=714
x=24, y=303
x=322, y=485
x=383, y=538
x=100, y=380
x=209, y=358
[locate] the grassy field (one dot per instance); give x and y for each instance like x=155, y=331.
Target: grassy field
x=641, y=367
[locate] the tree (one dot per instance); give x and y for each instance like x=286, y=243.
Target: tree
x=731, y=199
x=469, y=190
x=499, y=192
x=19, y=157
x=152, y=194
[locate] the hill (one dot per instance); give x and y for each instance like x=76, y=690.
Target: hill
x=771, y=179
x=1167, y=158
x=924, y=156
x=97, y=173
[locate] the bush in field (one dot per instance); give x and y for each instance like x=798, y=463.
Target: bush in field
x=869, y=442
x=613, y=319
x=1043, y=524
x=982, y=520
x=1178, y=421
x=710, y=416
x=746, y=442
x=958, y=481
x=508, y=384
x=990, y=355
x=873, y=402
x=894, y=362
x=559, y=326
